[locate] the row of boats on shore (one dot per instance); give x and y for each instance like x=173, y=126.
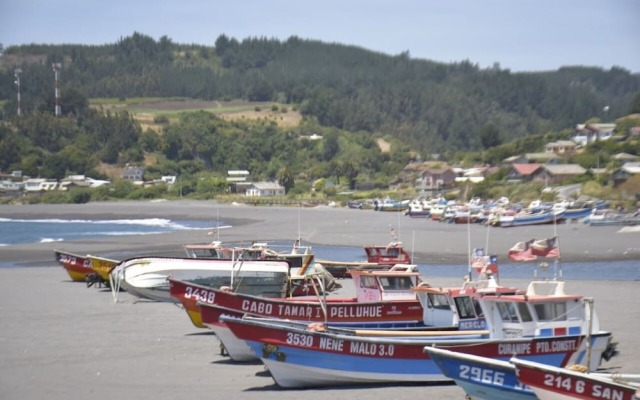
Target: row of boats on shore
x=494, y=341
x=505, y=214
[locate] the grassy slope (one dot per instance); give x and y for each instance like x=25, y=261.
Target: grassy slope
x=146, y=109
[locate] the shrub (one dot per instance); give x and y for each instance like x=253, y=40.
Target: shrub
x=161, y=119
x=80, y=196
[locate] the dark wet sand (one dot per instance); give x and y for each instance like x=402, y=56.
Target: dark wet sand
x=429, y=241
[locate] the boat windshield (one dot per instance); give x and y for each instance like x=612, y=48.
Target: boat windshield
x=368, y=282
x=556, y=311
x=466, y=307
x=438, y=301
x=396, y=282
x=507, y=311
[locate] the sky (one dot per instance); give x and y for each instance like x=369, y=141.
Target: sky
x=518, y=35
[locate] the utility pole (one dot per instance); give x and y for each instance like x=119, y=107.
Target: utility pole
x=56, y=68
x=16, y=73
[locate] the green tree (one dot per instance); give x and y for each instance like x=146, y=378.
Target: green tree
x=331, y=146
x=634, y=108
x=350, y=171
x=335, y=169
x=286, y=179
x=54, y=167
x=490, y=137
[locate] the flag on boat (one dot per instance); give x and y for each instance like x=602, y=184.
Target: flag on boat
x=521, y=251
x=546, y=247
x=477, y=258
x=482, y=263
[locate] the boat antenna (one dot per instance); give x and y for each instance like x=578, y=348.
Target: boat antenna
x=557, y=268
x=486, y=246
x=413, y=241
x=469, y=245
x=589, y=301
x=299, y=229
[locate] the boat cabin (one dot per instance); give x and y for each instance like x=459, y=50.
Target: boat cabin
x=216, y=250
x=303, y=271
x=391, y=285
x=391, y=254
x=544, y=309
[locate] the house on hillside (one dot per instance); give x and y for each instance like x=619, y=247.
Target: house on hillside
x=9, y=186
x=533, y=158
x=237, y=175
x=625, y=172
x=238, y=180
x=561, y=147
x=557, y=173
x=624, y=158
x=474, y=175
x=133, y=174
x=262, y=189
x=518, y=173
x=589, y=133
x=40, y=185
x=435, y=176
x=80, y=181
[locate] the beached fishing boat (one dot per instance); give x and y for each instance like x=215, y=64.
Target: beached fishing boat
x=612, y=217
x=102, y=266
x=542, y=324
x=418, y=208
x=481, y=378
x=146, y=277
x=552, y=383
x=383, y=299
x=378, y=257
x=438, y=314
x=216, y=250
x=527, y=218
x=390, y=305
x=300, y=259
x=437, y=211
x=76, y=265
x=391, y=205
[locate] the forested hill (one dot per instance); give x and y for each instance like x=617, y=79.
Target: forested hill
x=431, y=106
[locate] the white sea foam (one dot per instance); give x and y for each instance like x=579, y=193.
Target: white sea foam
x=158, y=222
x=50, y=240
x=13, y=231
x=145, y=221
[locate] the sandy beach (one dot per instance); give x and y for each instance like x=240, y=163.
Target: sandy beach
x=61, y=340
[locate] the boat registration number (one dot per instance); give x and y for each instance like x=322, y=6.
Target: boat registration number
x=579, y=386
x=339, y=346
x=205, y=296
x=481, y=375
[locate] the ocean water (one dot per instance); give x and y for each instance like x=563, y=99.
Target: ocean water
x=625, y=270
x=21, y=231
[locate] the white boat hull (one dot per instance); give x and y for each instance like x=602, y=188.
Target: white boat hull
x=147, y=277
x=236, y=349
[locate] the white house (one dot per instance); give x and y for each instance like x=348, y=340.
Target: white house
x=39, y=184
x=10, y=186
x=169, y=179
x=261, y=189
x=589, y=133
x=237, y=175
